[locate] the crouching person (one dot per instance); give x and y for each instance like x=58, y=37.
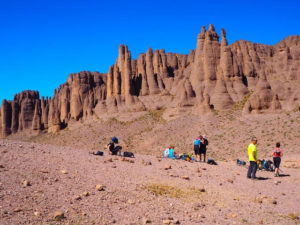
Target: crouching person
x=170, y=153
x=114, y=150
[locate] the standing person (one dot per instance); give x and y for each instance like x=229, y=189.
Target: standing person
x=252, y=153
x=277, y=154
x=203, y=144
x=197, y=148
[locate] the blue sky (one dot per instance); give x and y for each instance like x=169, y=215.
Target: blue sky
x=42, y=42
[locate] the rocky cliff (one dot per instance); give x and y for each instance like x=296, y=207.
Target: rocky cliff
x=213, y=76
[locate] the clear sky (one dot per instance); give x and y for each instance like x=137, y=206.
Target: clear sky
x=43, y=41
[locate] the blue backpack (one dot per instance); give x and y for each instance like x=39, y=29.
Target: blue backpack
x=197, y=142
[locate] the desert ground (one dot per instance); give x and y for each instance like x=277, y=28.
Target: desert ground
x=43, y=175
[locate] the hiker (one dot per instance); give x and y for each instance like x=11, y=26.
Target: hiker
x=252, y=153
x=277, y=154
x=203, y=144
x=197, y=148
x=114, y=150
x=170, y=153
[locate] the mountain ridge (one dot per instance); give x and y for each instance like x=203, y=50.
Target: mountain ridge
x=214, y=76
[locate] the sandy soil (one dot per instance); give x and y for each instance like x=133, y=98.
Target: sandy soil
x=138, y=191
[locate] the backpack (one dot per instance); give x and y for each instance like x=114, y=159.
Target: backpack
x=166, y=153
x=240, y=162
x=128, y=154
x=211, y=162
x=99, y=153
x=197, y=142
x=268, y=165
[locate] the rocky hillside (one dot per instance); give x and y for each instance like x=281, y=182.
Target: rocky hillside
x=214, y=76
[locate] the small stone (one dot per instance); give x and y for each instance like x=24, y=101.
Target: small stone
x=109, y=160
x=233, y=215
x=26, y=183
x=64, y=172
x=185, y=177
x=260, y=222
x=99, y=187
x=202, y=190
x=37, y=213
x=166, y=221
x=17, y=210
x=114, y=166
x=277, y=182
x=59, y=215
x=44, y=171
x=274, y=202
x=78, y=197
x=131, y=202
x=198, y=170
x=167, y=167
x=84, y=213
x=1, y=166
x=230, y=181
x=131, y=161
x=203, y=168
x=85, y=193
x=146, y=221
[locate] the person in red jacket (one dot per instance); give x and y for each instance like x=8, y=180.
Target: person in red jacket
x=277, y=154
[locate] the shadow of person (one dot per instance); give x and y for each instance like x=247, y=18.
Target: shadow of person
x=263, y=178
x=284, y=175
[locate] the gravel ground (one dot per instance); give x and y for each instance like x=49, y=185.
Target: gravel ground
x=38, y=180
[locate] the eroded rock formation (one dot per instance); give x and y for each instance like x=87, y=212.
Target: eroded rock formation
x=213, y=76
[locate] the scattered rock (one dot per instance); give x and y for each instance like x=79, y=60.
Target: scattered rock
x=109, y=160
x=26, y=183
x=167, y=221
x=64, y=172
x=277, y=182
x=130, y=201
x=85, y=193
x=59, y=215
x=1, y=166
x=114, y=166
x=37, y=213
x=260, y=222
x=146, y=221
x=233, y=215
x=185, y=177
x=230, y=181
x=84, y=213
x=17, y=210
x=44, y=171
x=99, y=187
x=168, y=166
x=198, y=170
x=78, y=197
x=202, y=190
x=203, y=168
x=274, y=202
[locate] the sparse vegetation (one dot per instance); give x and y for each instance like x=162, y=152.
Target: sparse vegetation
x=240, y=105
x=173, y=192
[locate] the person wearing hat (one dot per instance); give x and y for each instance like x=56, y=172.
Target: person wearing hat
x=252, y=154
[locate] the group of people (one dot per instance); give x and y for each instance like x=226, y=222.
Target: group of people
x=252, y=154
x=200, y=146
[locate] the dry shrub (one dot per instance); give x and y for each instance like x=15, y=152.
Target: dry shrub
x=187, y=193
